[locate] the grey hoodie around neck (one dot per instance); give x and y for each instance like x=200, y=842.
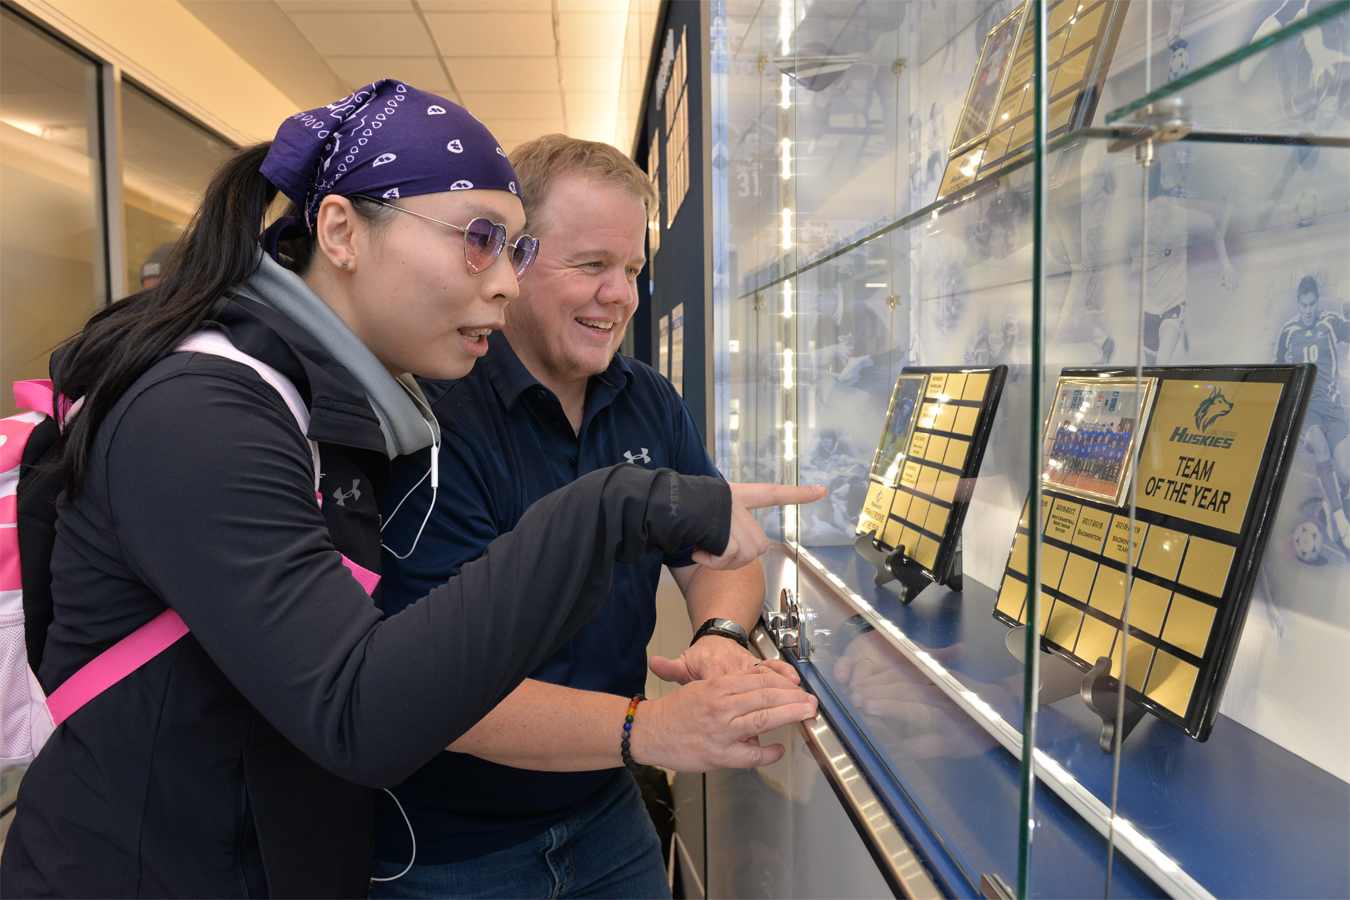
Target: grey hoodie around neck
x=404, y=414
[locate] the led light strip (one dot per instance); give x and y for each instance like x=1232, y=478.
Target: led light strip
x=1139, y=849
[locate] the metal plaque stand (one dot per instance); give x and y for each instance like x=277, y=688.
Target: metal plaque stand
x=894, y=565
x=1061, y=678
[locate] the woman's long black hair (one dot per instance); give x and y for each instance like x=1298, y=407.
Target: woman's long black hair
x=218, y=250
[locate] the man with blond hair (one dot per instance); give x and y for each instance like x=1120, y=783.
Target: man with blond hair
x=535, y=800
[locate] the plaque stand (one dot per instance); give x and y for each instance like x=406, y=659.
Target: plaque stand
x=1061, y=678
x=894, y=565
x=1102, y=698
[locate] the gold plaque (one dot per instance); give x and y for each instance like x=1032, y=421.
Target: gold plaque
x=931, y=444
x=997, y=122
x=876, y=508
x=1063, y=518
x=1206, y=472
x=986, y=87
x=1204, y=449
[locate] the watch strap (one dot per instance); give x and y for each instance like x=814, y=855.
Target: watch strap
x=722, y=628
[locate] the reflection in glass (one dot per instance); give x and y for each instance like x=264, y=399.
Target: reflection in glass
x=167, y=161
x=836, y=273
x=984, y=88
x=51, y=243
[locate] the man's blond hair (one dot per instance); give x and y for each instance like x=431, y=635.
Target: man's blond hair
x=540, y=162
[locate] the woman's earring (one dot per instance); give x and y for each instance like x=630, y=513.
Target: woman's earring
x=344, y=264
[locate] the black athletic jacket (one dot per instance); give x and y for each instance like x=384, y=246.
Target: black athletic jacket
x=239, y=761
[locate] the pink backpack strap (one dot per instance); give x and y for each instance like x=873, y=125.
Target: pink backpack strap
x=137, y=649
x=36, y=395
x=165, y=629
x=366, y=578
x=216, y=343
x=116, y=663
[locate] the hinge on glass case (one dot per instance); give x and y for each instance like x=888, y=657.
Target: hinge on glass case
x=1163, y=121
x=785, y=625
x=791, y=628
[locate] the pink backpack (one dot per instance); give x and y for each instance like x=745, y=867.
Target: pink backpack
x=28, y=716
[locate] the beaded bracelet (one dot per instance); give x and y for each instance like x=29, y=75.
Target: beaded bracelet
x=625, y=746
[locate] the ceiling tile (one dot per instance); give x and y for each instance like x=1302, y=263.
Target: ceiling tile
x=592, y=34
x=521, y=130
x=424, y=74
x=268, y=40
x=343, y=6
x=510, y=105
x=591, y=74
x=519, y=74
x=493, y=34
x=592, y=105
x=610, y=7
x=493, y=6
x=366, y=34
x=592, y=130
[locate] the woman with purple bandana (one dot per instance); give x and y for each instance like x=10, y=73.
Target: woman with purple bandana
x=213, y=407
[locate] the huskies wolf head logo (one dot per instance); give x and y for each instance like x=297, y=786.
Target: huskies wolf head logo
x=1213, y=407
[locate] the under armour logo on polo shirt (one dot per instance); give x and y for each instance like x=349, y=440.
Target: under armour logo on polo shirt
x=629, y=455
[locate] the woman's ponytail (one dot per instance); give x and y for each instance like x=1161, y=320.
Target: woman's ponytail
x=218, y=250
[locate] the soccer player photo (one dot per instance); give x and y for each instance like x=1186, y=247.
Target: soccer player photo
x=1091, y=435
x=1316, y=335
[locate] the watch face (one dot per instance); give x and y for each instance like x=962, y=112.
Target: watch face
x=724, y=628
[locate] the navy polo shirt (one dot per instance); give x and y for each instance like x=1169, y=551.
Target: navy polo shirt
x=506, y=442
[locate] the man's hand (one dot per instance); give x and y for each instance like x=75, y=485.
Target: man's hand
x=713, y=655
x=716, y=723
x=747, y=541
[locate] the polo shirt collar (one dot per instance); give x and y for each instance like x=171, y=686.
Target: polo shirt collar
x=510, y=379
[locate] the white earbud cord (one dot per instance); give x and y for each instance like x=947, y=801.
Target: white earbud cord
x=435, y=485
x=434, y=473
x=409, y=866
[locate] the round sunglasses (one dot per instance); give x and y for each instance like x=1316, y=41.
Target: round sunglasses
x=484, y=241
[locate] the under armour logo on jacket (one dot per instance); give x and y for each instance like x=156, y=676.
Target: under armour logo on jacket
x=643, y=457
x=353, y=494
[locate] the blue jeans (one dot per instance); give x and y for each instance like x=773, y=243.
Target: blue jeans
x=607, y=848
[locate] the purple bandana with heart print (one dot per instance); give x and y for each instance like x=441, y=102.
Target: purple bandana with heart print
x=387, y=140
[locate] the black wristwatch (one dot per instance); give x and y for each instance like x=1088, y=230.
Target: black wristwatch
x=723, y=628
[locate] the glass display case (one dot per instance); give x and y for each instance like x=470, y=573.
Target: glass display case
x=1108, y=652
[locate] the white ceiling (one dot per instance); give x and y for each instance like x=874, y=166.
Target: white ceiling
x=524, y=67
